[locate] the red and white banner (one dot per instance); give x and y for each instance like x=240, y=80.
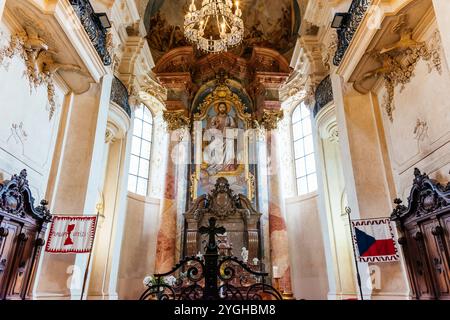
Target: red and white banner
x=71, y=234
x=374, y=240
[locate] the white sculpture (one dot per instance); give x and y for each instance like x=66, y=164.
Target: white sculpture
x=244, y=254
x=255, y=261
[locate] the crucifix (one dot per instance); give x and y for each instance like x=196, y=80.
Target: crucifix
x=212, y=231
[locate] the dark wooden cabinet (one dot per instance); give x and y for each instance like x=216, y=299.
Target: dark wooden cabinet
x=424, y=226
x=22, y=232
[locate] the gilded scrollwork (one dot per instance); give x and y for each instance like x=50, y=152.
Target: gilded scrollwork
x=193, y=185
x=224, y=94
x=271, y=118
x=399, y=61
x=39, y=60
x=176, y=120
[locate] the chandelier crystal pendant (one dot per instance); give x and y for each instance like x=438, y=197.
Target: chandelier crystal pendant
x=215, y=27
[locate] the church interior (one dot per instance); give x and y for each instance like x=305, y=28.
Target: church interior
x=271, y=141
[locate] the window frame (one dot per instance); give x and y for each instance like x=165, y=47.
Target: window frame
x=307, y=174
x=140, y=156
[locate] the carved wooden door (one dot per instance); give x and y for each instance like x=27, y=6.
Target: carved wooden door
x=8, y=245
x=418, y=266
x=437, y=258
x=22, y=264
x=445, y=223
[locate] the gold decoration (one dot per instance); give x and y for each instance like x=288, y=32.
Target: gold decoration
x=400, y=73
x=223, y=94
x=39, y=61
x=14, y=48
x=193, y=187
x=176, y=120
x=153, y=89
x=271, y=118
x=399, y=62
x=251, y=186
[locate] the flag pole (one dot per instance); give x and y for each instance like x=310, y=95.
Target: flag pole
x=348, y=210
x=89, y=258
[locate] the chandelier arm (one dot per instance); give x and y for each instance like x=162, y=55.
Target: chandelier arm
x=229, y=25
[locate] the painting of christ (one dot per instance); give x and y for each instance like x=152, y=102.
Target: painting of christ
x=222, y=128
x=221, y=155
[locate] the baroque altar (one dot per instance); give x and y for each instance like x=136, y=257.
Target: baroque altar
x=235, y=213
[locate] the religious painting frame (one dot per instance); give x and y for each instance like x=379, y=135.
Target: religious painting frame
x=236, y=117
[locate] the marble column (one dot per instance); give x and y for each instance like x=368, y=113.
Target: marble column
x=79, y=170
x=166, y=241
x=441, y=10
x=171, y=220
x=167, y=250
x=279, y=244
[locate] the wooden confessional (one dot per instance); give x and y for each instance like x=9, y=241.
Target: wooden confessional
x=425, y=226
x=22, y=232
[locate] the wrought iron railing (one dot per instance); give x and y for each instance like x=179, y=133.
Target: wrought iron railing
x=96, y=32
x=323, y=95
x=356, y=13
x=211, y=277
x=119, y=94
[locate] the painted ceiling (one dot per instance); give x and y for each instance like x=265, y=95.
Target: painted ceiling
x=268, y=23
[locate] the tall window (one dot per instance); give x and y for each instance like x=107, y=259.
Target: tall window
x=305, y=165
x=141, y=151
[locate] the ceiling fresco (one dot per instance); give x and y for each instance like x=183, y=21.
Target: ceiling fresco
x=268, y=23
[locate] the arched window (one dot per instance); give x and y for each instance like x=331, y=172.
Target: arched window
x=141, y=151
x=305, y=165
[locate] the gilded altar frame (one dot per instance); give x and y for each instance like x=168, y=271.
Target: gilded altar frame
x=222, y=93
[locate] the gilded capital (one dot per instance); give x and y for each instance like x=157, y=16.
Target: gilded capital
x=270, y=119
x=176, y=120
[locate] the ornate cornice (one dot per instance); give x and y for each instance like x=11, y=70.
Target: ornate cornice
x=155, y=90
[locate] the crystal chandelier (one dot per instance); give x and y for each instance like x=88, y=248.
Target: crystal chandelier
x=215, y=27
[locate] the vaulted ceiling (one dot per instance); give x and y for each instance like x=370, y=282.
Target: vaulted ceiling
x=268, y=23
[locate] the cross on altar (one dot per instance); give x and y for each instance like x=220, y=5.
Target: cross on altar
x=212, y=231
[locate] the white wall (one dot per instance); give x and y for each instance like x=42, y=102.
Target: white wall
x=308, y=267
x=31, y=144
x=139, y=245
x=425, y=99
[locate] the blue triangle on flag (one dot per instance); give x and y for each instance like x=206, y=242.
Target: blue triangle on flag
x=363, y=240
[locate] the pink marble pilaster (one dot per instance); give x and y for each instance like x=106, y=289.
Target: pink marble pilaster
x=279, y=246
x=167, y=234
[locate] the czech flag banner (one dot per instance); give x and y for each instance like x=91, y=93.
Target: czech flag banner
x=71, y=234
x=374, y=240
